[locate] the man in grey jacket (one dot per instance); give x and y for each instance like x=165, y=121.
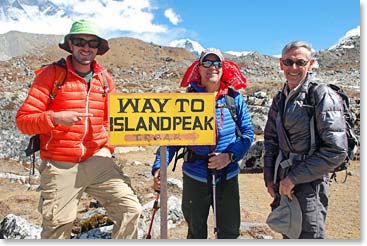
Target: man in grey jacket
x=289, y=168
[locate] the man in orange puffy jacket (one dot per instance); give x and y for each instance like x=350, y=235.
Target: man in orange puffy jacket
x=73, y=134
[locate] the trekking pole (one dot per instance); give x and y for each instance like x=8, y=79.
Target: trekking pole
x=31, y=170
x=214, y=204
x=155, y=207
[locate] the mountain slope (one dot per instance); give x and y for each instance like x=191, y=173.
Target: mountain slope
x=20, y=44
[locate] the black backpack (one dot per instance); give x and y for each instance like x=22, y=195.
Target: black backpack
x=232, y=109
x=350, y=120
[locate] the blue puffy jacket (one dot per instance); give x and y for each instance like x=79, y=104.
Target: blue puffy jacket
x=226, y=138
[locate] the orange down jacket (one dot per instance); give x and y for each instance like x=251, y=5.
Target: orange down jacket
x=63, y=143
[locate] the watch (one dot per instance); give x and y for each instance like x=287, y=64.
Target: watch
x=231, y=157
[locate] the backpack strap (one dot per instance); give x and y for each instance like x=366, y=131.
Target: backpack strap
x=179, y=156
x=60, y=75
x=232, y=108
x=104, y=82
x=230, y=103
x=279, y=119
x=60, y=71
x=311, y=103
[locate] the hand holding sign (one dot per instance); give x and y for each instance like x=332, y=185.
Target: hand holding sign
x=157, y=180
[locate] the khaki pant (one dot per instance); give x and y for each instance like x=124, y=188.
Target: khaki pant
x=62, y=185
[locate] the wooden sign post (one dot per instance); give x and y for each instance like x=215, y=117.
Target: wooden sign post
x=164, y=119
x=163, y=192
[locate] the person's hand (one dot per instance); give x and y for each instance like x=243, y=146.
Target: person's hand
x=157, y=180
x=271, y=190
x=218, y=160
x=286, y=187
x=69, y=118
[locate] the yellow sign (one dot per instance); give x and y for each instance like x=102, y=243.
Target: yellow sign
x=161, y=119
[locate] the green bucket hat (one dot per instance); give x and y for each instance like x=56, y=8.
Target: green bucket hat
x=84, y=27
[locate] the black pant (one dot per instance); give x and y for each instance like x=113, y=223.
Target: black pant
x=196, y=201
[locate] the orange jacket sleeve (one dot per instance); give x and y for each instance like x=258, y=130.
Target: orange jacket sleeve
x=32, y=116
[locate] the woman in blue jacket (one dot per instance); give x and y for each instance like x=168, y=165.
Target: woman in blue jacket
x=212, y=73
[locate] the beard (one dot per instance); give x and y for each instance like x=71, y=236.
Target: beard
x=83, y=59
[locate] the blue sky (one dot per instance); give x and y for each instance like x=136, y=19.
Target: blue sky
x=230, y=25
x=265, y=26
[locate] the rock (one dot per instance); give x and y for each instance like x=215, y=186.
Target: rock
x=253, y=161
x=15, y=227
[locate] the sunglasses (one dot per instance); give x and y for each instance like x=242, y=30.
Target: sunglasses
x=209, y=63
x=81, y=42
x=289, y=62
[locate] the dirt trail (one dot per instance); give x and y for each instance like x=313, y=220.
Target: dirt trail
x=343, y=221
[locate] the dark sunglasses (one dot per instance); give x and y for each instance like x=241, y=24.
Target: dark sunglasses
x=209, y=63
x=81, y=42
x=289, y=62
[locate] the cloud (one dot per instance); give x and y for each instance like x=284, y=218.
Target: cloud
x=116, y=18
x=128, y=15
x=172, y=16
x=158, y=38
x=63, y=2
x=51, y=25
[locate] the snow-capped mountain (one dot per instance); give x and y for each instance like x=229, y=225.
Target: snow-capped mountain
x=33, y=16
x=17, y=10
x=344, y=54
x=196, y=48
x=348, y=40
x=238, y=53
x=190, y=45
